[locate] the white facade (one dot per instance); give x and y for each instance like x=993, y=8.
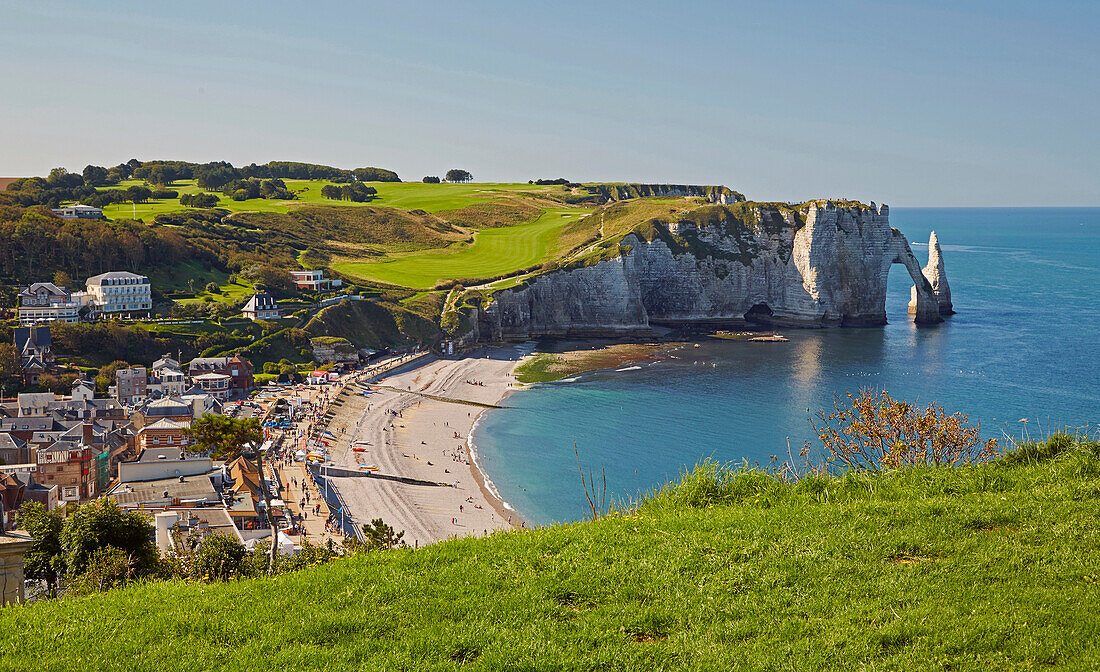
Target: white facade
x=118, y=292
x=46, y=302
x=167, y=382
x=78, y=211
x=313, y=280
x=214, y=384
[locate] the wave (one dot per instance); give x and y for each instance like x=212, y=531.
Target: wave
x=629, y=368
x=489, y=485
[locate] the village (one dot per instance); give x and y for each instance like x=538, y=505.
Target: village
x=131, y=445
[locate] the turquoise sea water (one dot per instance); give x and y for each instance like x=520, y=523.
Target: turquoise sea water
x=1024, y=344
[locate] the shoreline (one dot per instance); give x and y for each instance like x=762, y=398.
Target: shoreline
x=400, y=424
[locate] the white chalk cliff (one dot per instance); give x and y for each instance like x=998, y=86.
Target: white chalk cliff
x=821, y=265
x=937, y=277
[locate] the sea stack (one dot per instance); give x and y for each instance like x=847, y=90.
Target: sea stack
x=937, y=277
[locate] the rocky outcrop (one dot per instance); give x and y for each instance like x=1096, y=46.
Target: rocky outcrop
x=937, y=277
x=819, y=266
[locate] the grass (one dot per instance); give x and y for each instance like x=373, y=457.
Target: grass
x=495, y=251
x=405, y=195
x=976, y=568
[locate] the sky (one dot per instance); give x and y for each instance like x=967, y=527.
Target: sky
x=938, y=103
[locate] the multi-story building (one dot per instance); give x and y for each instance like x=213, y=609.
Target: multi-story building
x=46, y=302
x=214, y=384
x=79, y=211
x=314, y=281
x=236, y=367
x=166, y=378
x=131, y=385
x=261, y=306
x=75, y=463
x=163, y=433
x=118, y=293
x=35, y=350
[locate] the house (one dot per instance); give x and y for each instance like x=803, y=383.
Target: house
x=261, y=306
x=196, y=490
x=163, y=433
x=46, y=302
x=131, y=386
x=34, y=404
x=74, y=465
x=118, y=293
x=166, y=378
x=314, y=281
x=35, y=353
x=236, y=367
x=78, y=211
x=166, y=408
x=155, y=464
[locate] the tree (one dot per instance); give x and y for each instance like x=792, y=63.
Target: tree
x=375, y=175
x=378, y=536
x=225, y=438
x=10, y=366
x=44, y=561
x=95, y=175
x=62, y=279
x=458, y=175
x=100, y=524
x=106, y=376
x=138, y=194
x=431, y=179
x=219, y=557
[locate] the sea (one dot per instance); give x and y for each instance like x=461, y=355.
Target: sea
x=1021, y=357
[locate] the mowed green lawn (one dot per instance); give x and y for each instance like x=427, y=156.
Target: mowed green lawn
x=406, y=195
x=494, y=252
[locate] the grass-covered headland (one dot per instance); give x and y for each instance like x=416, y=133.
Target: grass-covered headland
x=994, y=566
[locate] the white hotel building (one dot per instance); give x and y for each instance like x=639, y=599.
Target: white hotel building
x=117, y=293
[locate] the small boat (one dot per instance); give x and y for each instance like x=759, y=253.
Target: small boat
x=368, y=467
x=360, y=450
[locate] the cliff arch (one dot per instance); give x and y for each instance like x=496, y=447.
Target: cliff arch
x=924, y=306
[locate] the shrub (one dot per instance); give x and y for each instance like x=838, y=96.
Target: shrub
x=220, y=557
x=874, y=431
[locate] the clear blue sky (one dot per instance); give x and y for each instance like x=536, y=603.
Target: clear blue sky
x=946, y=103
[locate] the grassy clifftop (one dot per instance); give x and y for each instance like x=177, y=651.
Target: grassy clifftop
x=976, y=568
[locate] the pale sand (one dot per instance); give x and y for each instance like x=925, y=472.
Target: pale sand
x=424, y=504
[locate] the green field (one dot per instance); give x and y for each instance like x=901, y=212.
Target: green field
x=493, y=252
x=406, y=195
x=923, y=568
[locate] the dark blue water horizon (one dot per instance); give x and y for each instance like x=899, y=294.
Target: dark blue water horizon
x=1022, y=354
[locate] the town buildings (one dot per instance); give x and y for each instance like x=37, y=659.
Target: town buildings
x=78, y=211
x=314, y=281
x=131, y=385
x=237, y=368
x=46, y=302
x=262, y=306
x=166, y=379
x=35, y=349
x=118, y=293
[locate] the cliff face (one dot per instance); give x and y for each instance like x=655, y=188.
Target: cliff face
x=820, y=266
x=937, y=277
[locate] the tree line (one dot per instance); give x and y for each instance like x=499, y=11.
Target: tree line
x=61, y=185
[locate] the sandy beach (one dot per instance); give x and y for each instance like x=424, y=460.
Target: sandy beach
x=426, y=483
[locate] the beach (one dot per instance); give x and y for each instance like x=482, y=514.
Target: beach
x=414, y=426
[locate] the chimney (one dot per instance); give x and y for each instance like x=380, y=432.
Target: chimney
x=89, y=435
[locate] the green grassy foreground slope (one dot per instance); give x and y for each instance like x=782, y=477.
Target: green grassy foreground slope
x=977, y=568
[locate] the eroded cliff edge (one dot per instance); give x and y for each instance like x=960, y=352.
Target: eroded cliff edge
x=818, y=264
